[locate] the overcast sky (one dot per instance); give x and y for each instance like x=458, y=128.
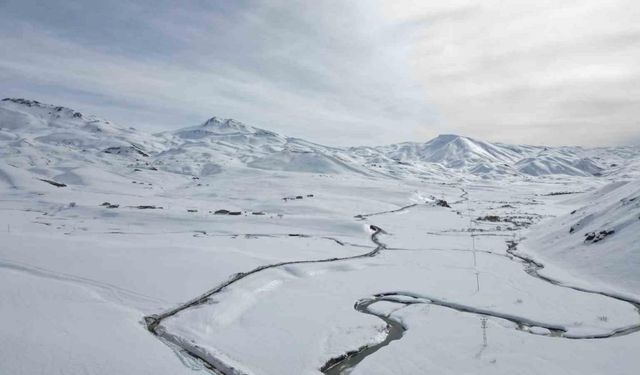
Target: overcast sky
x=337, y=72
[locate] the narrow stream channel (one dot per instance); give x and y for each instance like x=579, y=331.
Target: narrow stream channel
x=340, y=365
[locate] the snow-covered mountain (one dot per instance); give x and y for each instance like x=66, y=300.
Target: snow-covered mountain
x=35, y=134
x=476, y=157
x=219, y=143
x=599, y=236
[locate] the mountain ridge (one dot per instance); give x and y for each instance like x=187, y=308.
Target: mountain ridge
x=220, y=142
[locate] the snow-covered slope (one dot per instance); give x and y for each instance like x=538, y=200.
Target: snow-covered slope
x=31, y=121
x=220, y=143
x=37, y=135
x=452, y=151
x=476, y=157
x=43, y=141
x=598, y=240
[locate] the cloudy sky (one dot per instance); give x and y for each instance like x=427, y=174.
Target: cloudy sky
x=337, y=72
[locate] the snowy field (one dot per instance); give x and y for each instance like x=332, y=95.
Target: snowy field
x=235, y=250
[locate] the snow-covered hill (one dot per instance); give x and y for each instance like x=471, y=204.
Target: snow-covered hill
x=598, y=240
x=496, y=159
x=219, y=143
x=38, y=135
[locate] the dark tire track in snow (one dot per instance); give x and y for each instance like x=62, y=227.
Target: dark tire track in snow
x=364, y=216
x=153, y=322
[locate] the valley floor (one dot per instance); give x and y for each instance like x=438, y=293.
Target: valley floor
x=315, y=274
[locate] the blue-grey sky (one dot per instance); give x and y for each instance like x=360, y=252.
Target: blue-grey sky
x=337, y=72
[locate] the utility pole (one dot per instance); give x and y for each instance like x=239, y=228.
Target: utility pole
x=473, y=246
x=483, y=325
x=484, y=331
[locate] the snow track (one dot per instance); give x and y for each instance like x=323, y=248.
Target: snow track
x=118, y=293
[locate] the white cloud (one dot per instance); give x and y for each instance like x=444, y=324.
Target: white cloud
x=530, y=71
x=338, y=72
x=302, y=70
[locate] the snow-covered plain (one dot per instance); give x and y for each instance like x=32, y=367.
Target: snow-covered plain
x=224, y=247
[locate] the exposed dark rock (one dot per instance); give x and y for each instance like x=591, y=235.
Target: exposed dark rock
x=560, y=193
x=594, y=237
x=521, y=221
x=491, y=218
x=297, y=197
x=149, y=207
x=192, y=210
x=28, y=103
x=575, y=227
x=119, y=150
x=442, y=203
x=222, y=212
x=54, y=183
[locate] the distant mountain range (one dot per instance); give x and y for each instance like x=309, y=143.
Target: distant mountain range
x=34, y=135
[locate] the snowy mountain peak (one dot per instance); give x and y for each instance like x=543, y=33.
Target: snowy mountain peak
x=457, y=141
x=216, y=128
x=34, y=105
x=222, y=125
x=27, y=102
x=218, y=143
x=441, y=138
x=452, y=151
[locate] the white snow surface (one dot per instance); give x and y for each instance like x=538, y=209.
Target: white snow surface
x=613, y=261
x=102, y=226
